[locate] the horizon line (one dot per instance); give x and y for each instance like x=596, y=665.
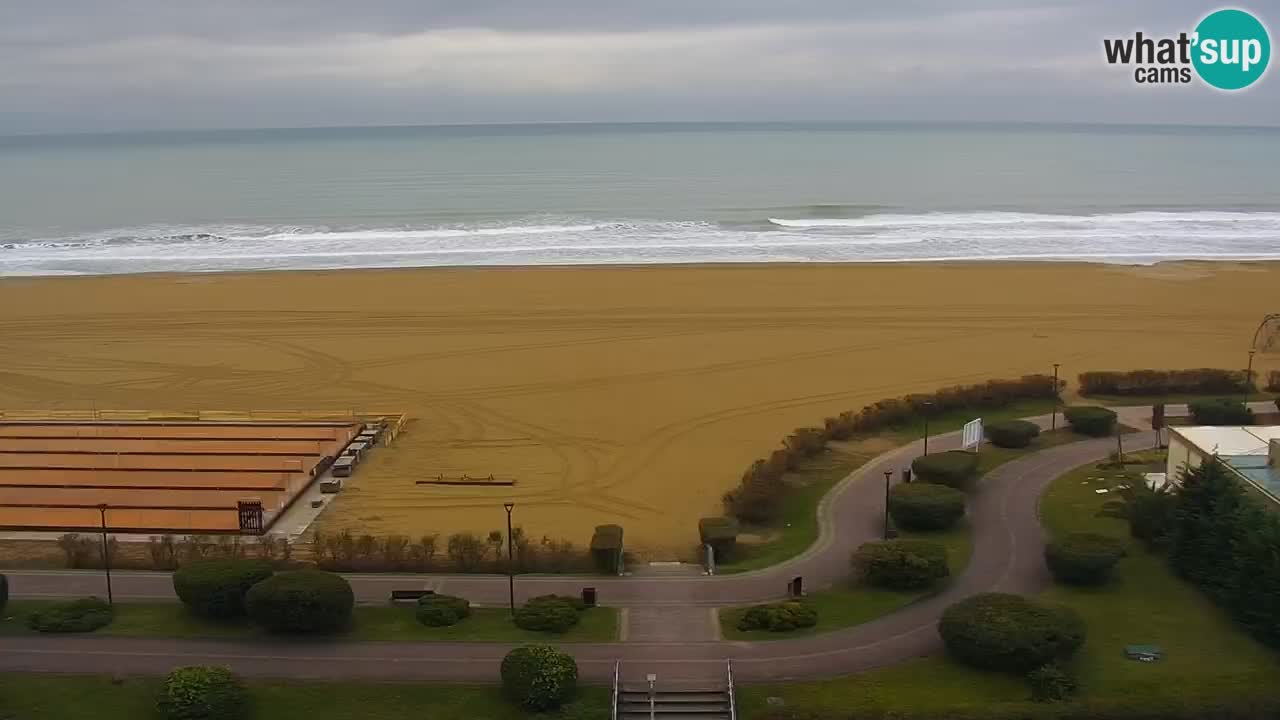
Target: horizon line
x=636, y=123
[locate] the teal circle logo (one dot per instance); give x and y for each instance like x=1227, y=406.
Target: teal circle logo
x=1232, y=49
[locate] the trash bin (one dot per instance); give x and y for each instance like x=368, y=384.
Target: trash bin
x=795, y=588
x=906, y=474
x=589, y=597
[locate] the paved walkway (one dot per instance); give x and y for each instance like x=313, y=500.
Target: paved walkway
x=669, y=628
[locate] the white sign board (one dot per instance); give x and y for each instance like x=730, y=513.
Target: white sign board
x=972, y=436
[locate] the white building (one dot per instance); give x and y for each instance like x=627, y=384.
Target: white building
x=1252, y=452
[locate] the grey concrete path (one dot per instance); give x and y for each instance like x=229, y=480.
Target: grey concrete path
x=1007, y=555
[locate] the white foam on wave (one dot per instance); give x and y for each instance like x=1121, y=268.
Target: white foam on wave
x=1130, y=237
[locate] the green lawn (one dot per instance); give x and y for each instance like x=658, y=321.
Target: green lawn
x=371, y=623
x=59, y=697
x=797, y=525
x=1206, y=656
x=849, y=605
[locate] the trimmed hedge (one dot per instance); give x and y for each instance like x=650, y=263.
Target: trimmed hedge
x=1090, y=420
x=1220, y=411
x=539, y=677
x=925, y=506
x=1011, y=433
x=1163, y=382
x=1012, y=633
x=301, y=601
x=216, y=588
x=606, y=548
x=904, y=564
x=1083, y=558
x=442, y=610
x=954, y=468
x=82, y=615
x=203, y=692
x=721, y=533
x=4, y=592
x=779, y=617
x=549, y=613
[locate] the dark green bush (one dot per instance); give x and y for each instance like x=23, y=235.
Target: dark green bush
x=83, y=615
x=301, y=601
x=216, y=588
x=203, y=692
x=1050, y=683
x=998, y=631
x=925, y=506
x=1220, y=411
x=779, y=617
x=442, y=610
x=1011, y=433
x=904, y=564
x=954, y=468
x=1083, y=558
x=539, y=677
x=606, y=548
x=548, y=613
x=1089, y=420
x=721, y=533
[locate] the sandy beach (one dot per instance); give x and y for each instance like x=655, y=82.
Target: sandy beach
x=634, y=395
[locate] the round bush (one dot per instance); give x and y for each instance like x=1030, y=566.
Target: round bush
x=216, y=588
x=1050, y=683
x=442, y=610
x=1012, y=433
x=83, y=615
x=1089, y=420
x=549, y=613
x=301, y=601
x=953, y=467
x=779, y=617
x=925, y=506
x=203, y=692
x=901, y=564
x=539, y=677
x=1220, y=411
x=1083, y=558
x=998, y=631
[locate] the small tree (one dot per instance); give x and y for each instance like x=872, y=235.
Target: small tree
x=925, y=506
x=1089, y=420
x=549, y=613
x=998, y=631
x=216, y=588
x=901, y=564
x=1011, y=433
x=539, y=677
x=606, y=548
x=466, y=551
x=442, y=610
x=301, y=602
x=1083, y=558
x=954, y=468
x=1220, y=411
x=779, y=617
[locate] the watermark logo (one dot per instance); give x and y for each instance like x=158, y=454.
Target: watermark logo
x=1229, y=50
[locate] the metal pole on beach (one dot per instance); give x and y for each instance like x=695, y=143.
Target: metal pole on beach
x=511, y=565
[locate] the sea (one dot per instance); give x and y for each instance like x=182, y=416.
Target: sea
x=568, y=194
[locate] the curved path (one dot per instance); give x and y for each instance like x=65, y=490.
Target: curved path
x=1007, y=556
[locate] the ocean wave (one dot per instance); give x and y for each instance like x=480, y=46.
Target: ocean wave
x=1141, y=236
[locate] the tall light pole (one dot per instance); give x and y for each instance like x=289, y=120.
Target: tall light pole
x=928, y=408
x=887, y=474
x=511, y=565
x=1248, y=378
x=1053, y=419
x=106, y=555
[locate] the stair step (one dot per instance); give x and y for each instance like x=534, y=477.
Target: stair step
x=693, y=696
x=695, y=707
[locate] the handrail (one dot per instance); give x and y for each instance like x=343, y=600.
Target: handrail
x=616, y=664
x=733, y=704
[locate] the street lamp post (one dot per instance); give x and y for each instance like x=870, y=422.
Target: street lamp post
x=1248, y=378
x=887, y=474
x=106, y=555
x=511, y=565
x=928, y=408
x=1053, y=420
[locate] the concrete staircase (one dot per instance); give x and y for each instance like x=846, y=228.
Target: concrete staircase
x=656, y=700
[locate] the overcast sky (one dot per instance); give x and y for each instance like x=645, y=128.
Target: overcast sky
x=89, y=65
